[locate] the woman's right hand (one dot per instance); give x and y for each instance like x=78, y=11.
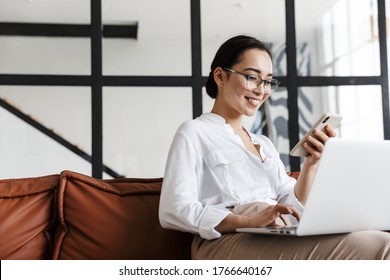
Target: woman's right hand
x=268, y=216
x=264, y=218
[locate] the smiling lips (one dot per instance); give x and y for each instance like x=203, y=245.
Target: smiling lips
x=253, y=101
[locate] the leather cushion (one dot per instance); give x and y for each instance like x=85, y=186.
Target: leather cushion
x=27, y=216
x=114, y=219
x=294, y=174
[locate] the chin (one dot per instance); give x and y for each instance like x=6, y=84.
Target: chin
x=251, y=113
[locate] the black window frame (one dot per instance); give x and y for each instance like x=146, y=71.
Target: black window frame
x=96, y=81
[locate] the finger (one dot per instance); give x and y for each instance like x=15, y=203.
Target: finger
x=288, y=209
x=313, y=153
x=320, y=135
x=268, y=216
x=315, y=144
x=283, y=209
x=295, y=213
x=329, y=130
x=273, y=224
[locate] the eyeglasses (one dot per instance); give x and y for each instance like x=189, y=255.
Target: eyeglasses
x=254, y=81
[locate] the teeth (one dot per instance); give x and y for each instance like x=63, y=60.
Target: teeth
x=253, y=101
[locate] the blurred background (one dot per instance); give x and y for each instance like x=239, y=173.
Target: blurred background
x=100, y=87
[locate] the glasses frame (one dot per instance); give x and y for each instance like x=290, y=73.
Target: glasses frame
x=262, y=81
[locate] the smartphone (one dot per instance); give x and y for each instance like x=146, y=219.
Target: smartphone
x=332, y=119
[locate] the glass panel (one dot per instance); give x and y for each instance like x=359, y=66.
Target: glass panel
x=337, y=37
x=139, y=124
x=24, y=150
x=222, y=20
x=45, y=55
x=361, y=107
x=163, y=44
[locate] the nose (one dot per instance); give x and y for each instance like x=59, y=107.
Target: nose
x=260, y=89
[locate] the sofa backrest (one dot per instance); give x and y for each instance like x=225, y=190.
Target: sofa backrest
x=74, y=216
x=114, y=219
x=27, y=217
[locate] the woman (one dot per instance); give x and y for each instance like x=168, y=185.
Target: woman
x=219, y=176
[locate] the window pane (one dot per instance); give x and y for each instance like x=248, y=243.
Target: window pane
x=340, y=37
x=24, y=150
x=139, y=124
x=163, y=44
x=361, y=107
x=45, y=55
x=221, y=20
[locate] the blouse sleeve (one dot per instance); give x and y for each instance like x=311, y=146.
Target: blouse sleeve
x=180, y=208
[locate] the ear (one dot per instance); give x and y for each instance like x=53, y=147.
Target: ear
x=219, y=76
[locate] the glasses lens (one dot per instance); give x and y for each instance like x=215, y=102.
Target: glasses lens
x=251, y=85
x=268, y=85
x=274, y=84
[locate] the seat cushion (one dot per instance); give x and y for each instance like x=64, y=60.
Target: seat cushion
x=27, y=217
x=114, y=219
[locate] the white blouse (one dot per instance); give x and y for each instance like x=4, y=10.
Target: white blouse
x=209, y=169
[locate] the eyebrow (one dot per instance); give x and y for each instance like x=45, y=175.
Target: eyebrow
x=257, y=71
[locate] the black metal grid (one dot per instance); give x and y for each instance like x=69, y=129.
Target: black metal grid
x=292, y=81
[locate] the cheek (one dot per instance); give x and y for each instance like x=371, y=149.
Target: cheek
x=237, y=84
x=236, y=91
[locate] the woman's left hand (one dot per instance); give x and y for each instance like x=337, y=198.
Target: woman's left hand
x=317, y=143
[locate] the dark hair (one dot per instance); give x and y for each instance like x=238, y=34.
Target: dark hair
x=228, y=54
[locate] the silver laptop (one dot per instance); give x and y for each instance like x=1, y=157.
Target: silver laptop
x=350, y=192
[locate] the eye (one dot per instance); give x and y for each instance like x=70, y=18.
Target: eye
x=252, y=78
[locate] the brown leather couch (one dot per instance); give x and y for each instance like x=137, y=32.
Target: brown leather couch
x=74, y=216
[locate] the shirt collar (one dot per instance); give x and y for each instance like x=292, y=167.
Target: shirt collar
x=217, y=119
x=213, y=117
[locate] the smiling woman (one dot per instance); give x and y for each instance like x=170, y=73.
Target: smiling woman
x=220, y=177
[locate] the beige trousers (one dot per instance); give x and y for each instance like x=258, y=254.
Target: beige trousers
x=362, y=245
